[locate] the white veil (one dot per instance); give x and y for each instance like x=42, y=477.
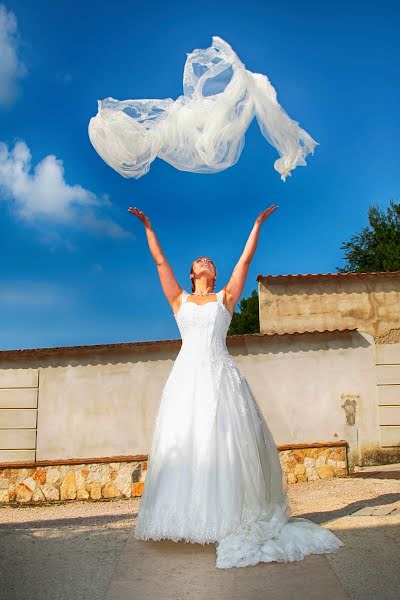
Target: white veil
x=203, y=130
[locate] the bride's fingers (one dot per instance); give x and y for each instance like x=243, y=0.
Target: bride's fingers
x=268, y=209
x=139, y=213
x=134, y=211
x=271, y=209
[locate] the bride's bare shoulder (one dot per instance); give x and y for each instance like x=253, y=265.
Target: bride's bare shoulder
x=226, y=295
x=228, y=300
x=177, y=301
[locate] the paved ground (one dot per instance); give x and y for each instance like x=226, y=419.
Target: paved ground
x=369, y=563
x=86, y=551
x=167, y=570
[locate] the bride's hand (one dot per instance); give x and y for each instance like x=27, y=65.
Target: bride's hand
x=145, y=220
x=266, y=213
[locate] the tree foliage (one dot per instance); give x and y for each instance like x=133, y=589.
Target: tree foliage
x=377, y=246
x=247, y=320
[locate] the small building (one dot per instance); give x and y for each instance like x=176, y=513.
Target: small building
x=353, y=370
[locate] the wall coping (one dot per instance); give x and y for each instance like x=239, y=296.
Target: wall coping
x=353, y=274
x=148, y=345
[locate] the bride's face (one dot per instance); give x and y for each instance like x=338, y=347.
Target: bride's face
x=203, y=265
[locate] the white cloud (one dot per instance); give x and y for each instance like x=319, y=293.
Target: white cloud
x=43, y=194
x=11, y=67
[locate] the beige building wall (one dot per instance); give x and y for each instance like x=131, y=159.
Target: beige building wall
x=365, y=302
x=369, y=302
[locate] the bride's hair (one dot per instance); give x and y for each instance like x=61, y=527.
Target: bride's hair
x=192, y=279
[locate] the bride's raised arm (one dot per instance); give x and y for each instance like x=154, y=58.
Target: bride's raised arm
x=235, y=285
x=169, y=284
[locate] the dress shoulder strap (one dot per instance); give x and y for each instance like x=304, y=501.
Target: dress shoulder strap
x=220, y=296
x=183, y=299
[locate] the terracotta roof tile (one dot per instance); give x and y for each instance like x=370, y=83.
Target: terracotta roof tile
x=99, y=349
x=327, y=275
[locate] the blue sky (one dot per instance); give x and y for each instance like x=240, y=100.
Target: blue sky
x=75, y=265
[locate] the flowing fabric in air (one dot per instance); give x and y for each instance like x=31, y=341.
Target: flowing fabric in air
x=203, y=130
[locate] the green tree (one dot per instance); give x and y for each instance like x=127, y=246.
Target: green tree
x=377, y=246
x=247, y=320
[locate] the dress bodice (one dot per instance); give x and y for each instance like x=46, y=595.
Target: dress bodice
x=203, y=327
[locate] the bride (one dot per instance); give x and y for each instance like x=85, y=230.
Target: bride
x=214, y=473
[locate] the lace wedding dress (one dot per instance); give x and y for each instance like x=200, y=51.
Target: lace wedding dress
x=214, y=473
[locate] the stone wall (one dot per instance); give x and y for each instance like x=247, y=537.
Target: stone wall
x=84, y=481
x=104, y=480
x=311, y=464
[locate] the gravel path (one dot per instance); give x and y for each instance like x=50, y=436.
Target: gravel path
x=69, y=550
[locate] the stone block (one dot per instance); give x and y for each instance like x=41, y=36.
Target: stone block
x=16, y=439
x=19, y=378
x=325, y=471
x=94, y=490
x=68, y=487
x=137, y=488
x=18, y=398
x=110, y=491
x=18, y=418
x=299, y=470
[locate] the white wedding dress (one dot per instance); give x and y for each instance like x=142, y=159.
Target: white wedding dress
x=214, y=473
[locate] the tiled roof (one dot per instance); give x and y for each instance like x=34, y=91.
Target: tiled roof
x=328, y=275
